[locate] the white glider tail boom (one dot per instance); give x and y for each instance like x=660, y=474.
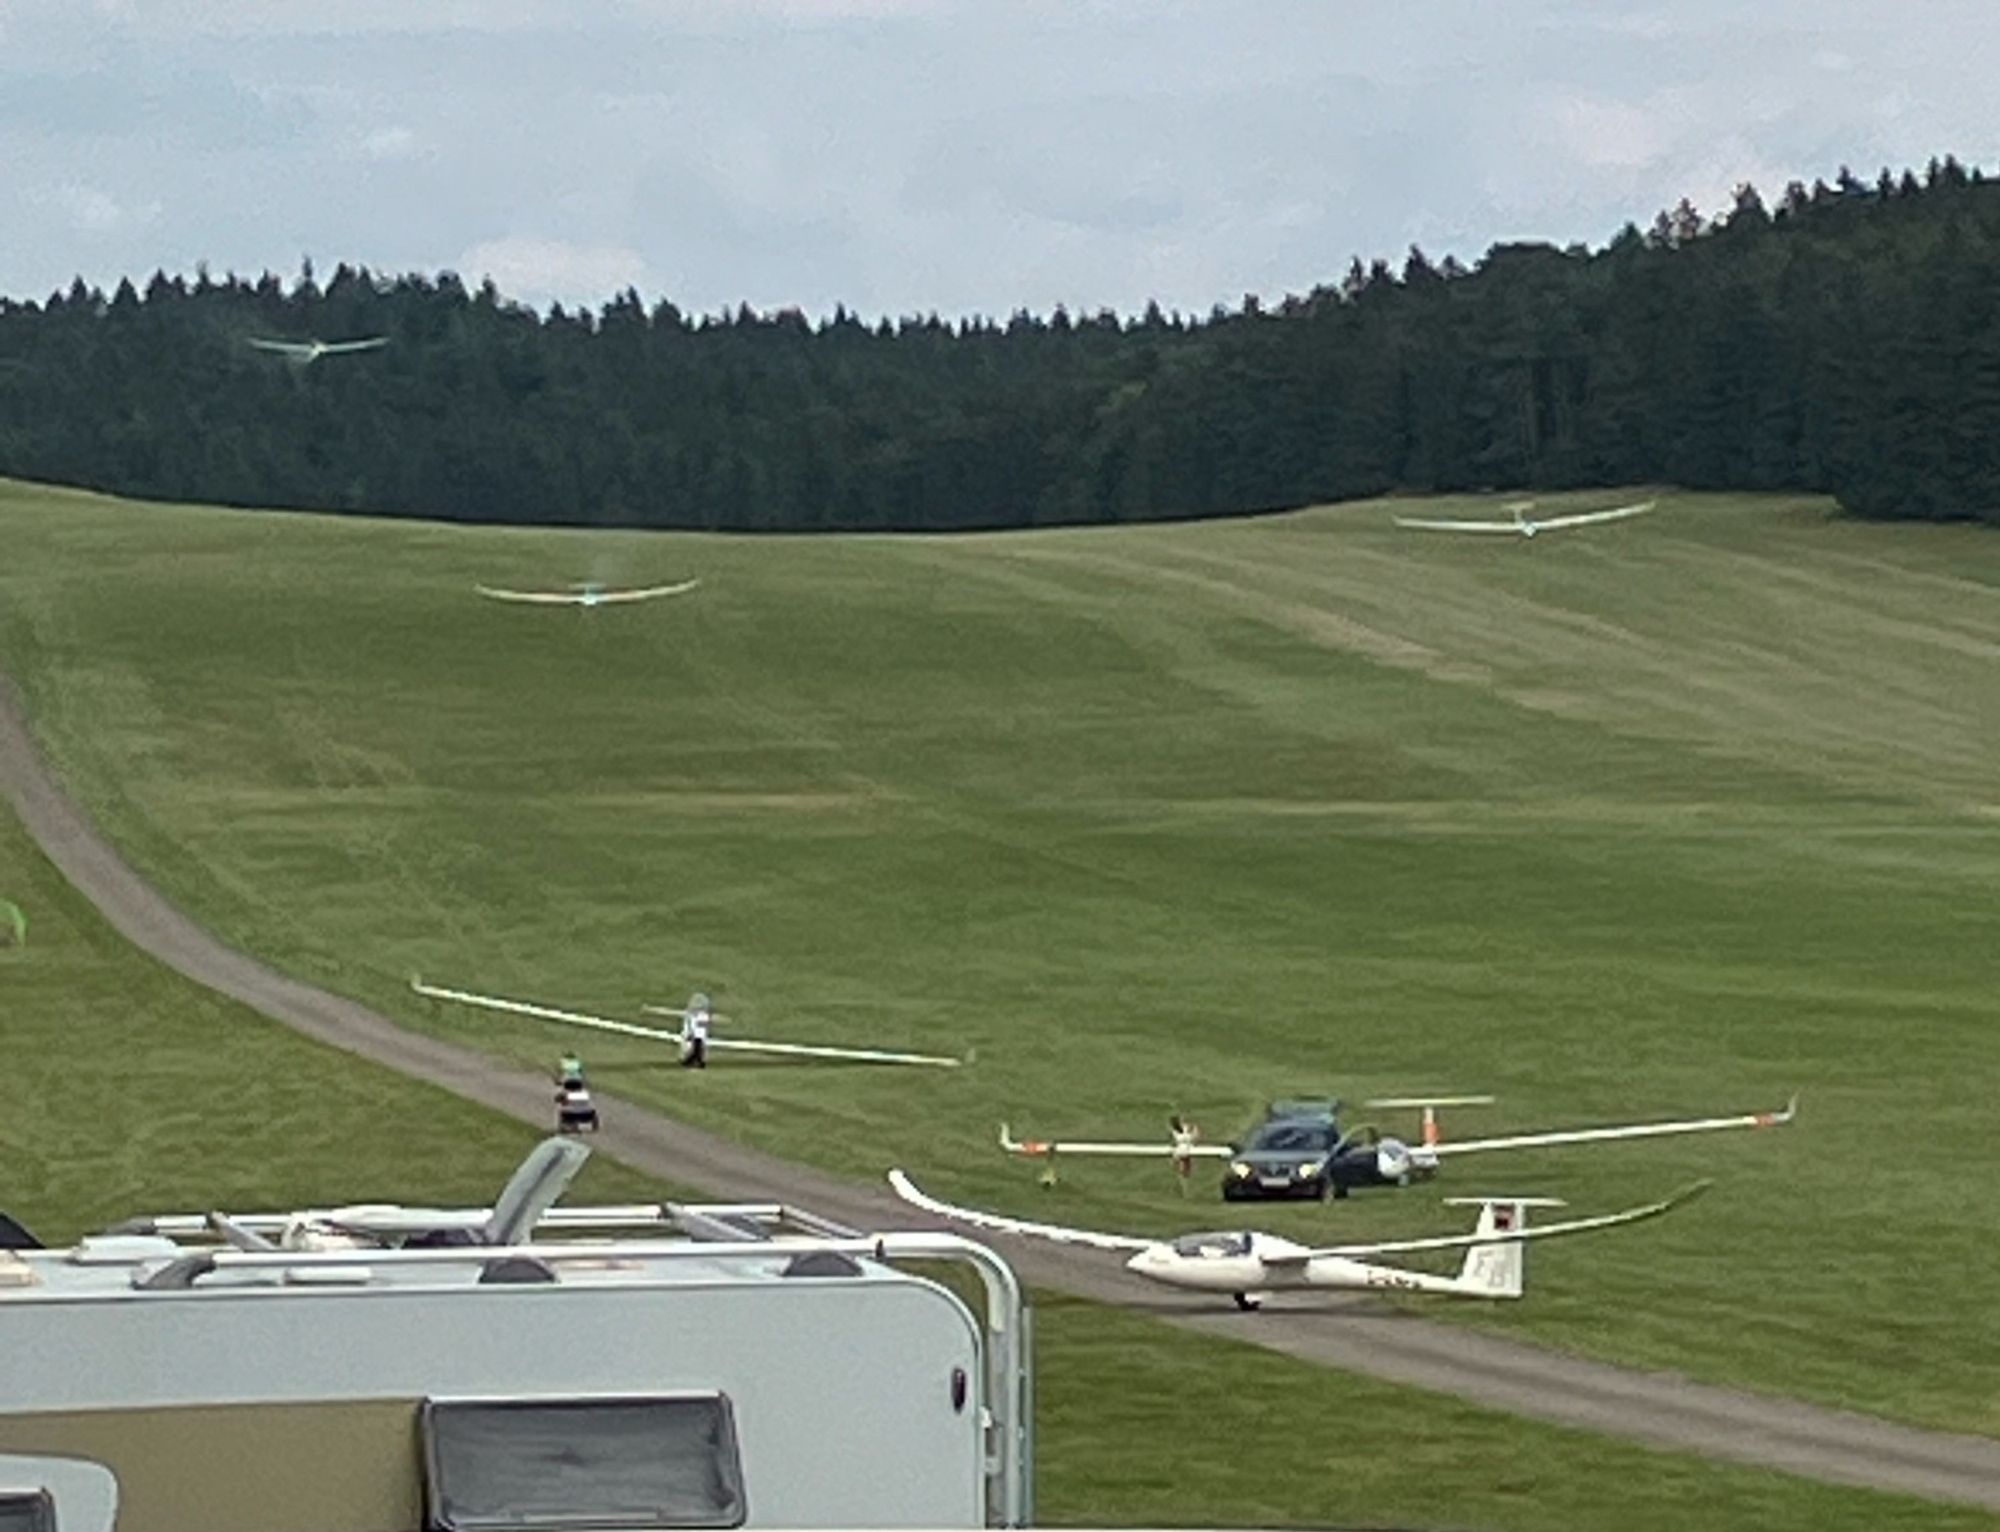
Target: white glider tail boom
x=680, y=1038
x=1247, y=1264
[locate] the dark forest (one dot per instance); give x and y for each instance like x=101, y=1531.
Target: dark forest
x=1845, y=339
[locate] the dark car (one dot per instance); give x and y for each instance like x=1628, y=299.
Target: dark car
x=1289, y=1156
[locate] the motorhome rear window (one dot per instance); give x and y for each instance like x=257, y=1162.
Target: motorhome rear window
x=27, y=1511
x=553, y=1463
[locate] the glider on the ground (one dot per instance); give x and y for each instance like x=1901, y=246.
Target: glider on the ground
x=586, y=594
x=313, y=350
x=691, y=1031
x=1521, y=524
x=1247, y=1264
x=1298, y=1150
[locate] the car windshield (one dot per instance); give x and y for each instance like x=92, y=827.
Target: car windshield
x=1292, y=1137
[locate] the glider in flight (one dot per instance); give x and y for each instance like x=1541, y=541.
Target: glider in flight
x=1248, y=1265
x=313, y=350
x=1521, y=524
x=588, y=594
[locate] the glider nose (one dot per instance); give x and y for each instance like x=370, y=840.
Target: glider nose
x=1151, y=1262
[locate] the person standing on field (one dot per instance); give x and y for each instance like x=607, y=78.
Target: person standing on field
x=694, y=1032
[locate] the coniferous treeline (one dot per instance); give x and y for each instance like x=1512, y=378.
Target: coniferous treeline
x=1847, y=340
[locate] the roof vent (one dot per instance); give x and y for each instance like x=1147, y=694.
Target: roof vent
x=821, y=1263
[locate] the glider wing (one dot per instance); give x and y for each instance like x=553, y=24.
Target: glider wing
x=1589, y=518
x=1428, y=524
x=1040, y=1146
x=544, y=1012
x=811, y=1050
x=1623, y=1130
x=539, y=597
x=647, y=593
x=825, y=1051
x=1543, y=1231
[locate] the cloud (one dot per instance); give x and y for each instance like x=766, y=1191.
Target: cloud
x=395, y=142
x=96, y=212
x=197, y=106
x=904, y=155
x=1610, y=134
x=174, y=19
x=537, y=270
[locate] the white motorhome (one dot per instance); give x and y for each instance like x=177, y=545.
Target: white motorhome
x=390, y=1369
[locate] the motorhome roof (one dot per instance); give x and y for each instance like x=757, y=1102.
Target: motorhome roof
x=631, y=1244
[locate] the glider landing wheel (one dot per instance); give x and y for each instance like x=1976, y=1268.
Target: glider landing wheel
x=1246, y=1303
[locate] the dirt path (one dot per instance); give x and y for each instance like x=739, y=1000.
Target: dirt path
x=1657, y=1409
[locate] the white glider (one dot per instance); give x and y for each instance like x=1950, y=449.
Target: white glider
x=313, y=350
x=1521, y=524
x=682, y=1038
x=1247, y=1264
x=586, y=595
x=1174, y=1148
x=1365, y=1158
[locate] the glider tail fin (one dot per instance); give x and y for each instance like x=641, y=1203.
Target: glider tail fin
x=1498, y=1270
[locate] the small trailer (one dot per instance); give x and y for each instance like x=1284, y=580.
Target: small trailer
x=390, y=1369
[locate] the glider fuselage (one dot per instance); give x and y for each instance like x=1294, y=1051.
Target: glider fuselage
x=1249, y=1262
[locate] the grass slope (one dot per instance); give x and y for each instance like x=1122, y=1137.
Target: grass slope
x=1675, y=816
x=135, y=1090
x=132, y=1091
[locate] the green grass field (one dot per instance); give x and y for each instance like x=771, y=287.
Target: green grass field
x=1677, y=816
x=133, y=1090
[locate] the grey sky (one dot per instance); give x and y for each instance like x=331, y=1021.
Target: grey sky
x=909, y=155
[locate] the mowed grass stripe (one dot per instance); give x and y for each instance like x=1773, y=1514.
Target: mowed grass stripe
x=1080, y=801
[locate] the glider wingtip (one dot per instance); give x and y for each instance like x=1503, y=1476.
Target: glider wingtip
x=1689, y=1192
x=1779, y=1119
